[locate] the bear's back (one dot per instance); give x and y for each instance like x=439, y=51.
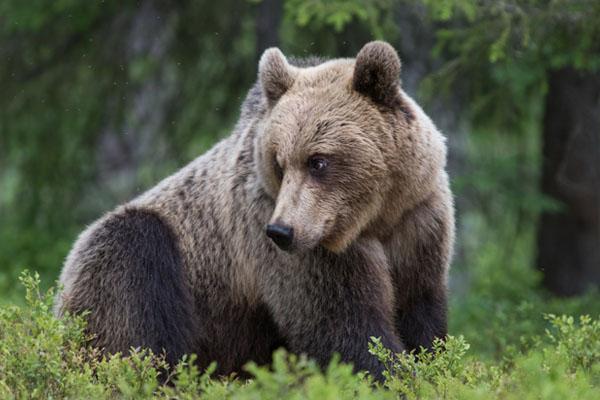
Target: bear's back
x=216, y=208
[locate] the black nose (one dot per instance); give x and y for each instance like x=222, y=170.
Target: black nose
x=282, y=235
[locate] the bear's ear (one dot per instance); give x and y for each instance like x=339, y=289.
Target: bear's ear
x=377, y=73
x=275, y=74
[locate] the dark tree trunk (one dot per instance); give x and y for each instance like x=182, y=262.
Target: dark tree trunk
x=569, y=239
x=268, y=20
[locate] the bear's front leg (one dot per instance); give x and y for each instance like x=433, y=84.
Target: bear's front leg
x=335, y=304
x=420, y=254
x=422, y=317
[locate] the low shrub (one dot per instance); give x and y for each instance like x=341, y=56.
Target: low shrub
x=45, y=357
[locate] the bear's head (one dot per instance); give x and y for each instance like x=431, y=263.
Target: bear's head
x=342, y=150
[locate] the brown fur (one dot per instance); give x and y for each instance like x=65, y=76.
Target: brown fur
x=372, y=235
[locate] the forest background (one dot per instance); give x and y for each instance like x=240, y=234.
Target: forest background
x=100, y=100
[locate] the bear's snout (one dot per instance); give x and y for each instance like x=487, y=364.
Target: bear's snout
x=282, y=235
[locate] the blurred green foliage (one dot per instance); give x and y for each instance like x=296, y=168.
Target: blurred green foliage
x=64, y=83
x=338, y=14
x=69, y=72
x=501, y=52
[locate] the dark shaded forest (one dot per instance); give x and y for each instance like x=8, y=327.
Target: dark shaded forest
x=100, y=100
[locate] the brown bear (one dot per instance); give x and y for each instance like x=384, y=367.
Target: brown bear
x=323, y=220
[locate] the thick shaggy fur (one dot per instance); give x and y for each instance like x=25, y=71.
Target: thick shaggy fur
x=187, y=267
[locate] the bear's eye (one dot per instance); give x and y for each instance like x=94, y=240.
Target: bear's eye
x=278, y=169
x=317, y=165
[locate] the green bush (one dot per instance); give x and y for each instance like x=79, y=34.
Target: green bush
x=44, y=357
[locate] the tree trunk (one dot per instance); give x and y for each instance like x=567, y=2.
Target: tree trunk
x=569, y=238
x=268, y=20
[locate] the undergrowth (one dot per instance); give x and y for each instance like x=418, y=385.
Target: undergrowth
x=44, y=357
